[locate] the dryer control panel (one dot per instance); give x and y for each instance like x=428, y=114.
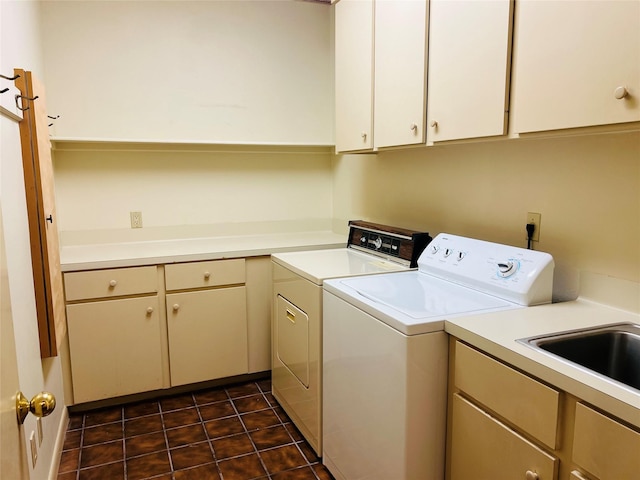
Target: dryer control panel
x=395, y=244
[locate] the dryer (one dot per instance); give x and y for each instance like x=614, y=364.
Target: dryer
x=297, y=311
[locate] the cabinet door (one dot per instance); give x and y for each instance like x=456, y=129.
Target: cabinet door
x=400, y=44
x=115, y=347
x=354, y=75
x=207, y=334
x=605, y=448
x=483, y=448
x=469, y=66
x=569, y=60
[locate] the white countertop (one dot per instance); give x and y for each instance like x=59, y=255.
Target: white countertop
x=152, y=252
x=496, y=334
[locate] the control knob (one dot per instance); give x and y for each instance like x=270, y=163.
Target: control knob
x=508, y=268
x=377, y=243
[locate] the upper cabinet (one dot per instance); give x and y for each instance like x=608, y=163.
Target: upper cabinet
x=380, y=73
x=354, y=75
x=469, y=67
x=400, y=66
x=575, y=64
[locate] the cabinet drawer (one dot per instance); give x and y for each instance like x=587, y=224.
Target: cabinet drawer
x=484, y=448
x=182, y=276
x=110, y=283
x=605, y=448
x=521, y=400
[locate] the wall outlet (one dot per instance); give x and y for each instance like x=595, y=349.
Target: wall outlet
x=136, y=219
x=535, y=219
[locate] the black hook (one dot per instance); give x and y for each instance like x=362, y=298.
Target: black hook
x=53, y=118
x=9, y=78
x=4, y=90
x=24, y=98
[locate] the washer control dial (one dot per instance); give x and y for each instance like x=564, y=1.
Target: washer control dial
x=508, y=268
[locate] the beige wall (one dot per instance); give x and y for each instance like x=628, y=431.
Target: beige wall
x=250, y=71
x=96, y=190
x=587, y=189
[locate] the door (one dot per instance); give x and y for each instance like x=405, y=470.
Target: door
x=13, y=457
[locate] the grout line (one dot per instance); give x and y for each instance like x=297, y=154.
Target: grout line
x=166, y=439
x=283, y=421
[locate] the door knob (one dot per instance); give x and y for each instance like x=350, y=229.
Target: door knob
x=40, y=405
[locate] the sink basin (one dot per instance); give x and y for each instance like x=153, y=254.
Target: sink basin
x=612, y=351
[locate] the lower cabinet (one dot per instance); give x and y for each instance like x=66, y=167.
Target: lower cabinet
x=504, y=424
x=207, y=333
x=483, y=447
x=115, y=347
x=138, y=329
x=604, y=448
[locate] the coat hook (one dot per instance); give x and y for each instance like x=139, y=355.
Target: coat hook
x=4, y=90
x=24, y=98
x=9, y=78
x=53, y=118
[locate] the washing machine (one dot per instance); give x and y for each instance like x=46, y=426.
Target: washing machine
x=298, y=277
x=385, y=357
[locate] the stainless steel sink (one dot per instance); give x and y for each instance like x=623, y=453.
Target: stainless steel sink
x=612, y=351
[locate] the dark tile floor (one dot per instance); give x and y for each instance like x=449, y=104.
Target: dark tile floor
x=237, y=432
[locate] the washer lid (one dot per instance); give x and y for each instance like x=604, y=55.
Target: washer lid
x=421, y=296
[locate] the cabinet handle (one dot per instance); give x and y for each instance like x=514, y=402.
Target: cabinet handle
x=621, y=92
x=113, y=283
x=291, y=316
x=434, y=124
x=149, y=310
x=364, y=135
x=414, y=128
x=176, y=307
x=207, y=275
x=531, y=475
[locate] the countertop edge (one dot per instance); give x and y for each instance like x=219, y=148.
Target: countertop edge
x=131, y=254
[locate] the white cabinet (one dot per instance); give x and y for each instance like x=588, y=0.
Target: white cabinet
x=603, y=447
x=572, y=60
x=469, y=68
x=400, y=68
x=133, y=330
x=484, y=448
x=115, y=343
x=505, y=424
x=354, y=75
x=380, y=73
x=206, y=325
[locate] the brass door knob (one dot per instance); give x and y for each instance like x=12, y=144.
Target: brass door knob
x=40, y=405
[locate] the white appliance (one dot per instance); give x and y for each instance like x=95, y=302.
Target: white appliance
x=297, y=311
x=385, y=357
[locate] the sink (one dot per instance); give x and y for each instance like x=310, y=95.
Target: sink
x=612, y=351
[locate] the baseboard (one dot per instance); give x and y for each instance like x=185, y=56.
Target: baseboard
x=59, y=445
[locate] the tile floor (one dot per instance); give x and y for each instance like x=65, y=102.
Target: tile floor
x=237, y=432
